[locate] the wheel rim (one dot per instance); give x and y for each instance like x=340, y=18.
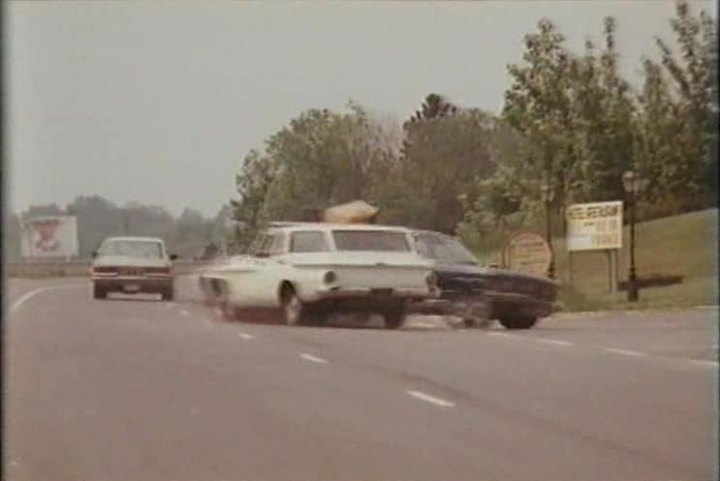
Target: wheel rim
x=293, y=310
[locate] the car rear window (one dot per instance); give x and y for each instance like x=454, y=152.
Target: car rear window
x=370, y=240
x=131, y=248
x=308, y=242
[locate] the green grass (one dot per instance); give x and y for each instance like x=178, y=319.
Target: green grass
x=685, y=245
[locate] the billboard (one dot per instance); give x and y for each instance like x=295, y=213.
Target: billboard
x=54, y=236
x=594, y=226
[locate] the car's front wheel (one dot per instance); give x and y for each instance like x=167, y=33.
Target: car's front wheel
x=520, y=322
x=394, y=317
x=294, y=311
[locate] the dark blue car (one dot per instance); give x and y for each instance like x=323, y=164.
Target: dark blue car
x=479, y=294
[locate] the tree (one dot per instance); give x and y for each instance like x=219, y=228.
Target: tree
x=539, y=106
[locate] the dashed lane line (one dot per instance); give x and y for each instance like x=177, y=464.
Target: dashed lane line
x=504, y=335
x=555, y=342
x=703, y=363
x=625, y=352
x=184, y=313
x=245, y=336
x=430, y=399
x=311, y=358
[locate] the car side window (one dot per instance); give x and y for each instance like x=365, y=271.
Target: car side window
x=309, y=241
x=259, y=247
x=276, y=244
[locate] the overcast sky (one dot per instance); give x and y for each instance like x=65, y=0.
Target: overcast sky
x=158, y=102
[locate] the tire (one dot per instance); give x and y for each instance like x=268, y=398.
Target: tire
x=294, y=311
x=394, y=318
x=99, y=292
x=168, y=294
x=518, y=322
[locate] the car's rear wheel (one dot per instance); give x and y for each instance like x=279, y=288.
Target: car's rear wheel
x=168, y=294
x=519, y=322
x=99, y=292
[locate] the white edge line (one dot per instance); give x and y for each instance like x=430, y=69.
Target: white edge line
x=246, y=336
x=430, y=399
x=26, y=297
x=625, y=352
x=311, y=358
x=555, y=342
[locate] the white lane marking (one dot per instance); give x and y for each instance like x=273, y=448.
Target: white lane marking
x=555, y=342
x=625, y=352
x=184, y=313
x=246, y=336
x=704, y=363
x=502, y=334
x=431, y=399
x=311, y=358
x=169, y=305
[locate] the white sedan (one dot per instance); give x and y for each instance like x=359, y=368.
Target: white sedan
x=307, y=270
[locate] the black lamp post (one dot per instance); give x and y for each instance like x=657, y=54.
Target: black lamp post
x=633, y=185
x=547, y=197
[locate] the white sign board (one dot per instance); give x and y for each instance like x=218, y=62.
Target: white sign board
x=594, y=226
x=55, y=236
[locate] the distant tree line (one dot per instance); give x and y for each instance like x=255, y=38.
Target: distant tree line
x=570, y=121
x=190, y=235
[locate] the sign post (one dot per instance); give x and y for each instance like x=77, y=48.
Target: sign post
x=597, y=226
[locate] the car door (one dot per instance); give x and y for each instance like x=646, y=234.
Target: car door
x=269, y=268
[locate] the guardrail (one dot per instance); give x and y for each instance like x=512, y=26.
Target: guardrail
x=77, y=268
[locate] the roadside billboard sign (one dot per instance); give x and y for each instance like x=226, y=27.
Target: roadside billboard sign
x=594, y=226
x=54, y=236
x=527, y=252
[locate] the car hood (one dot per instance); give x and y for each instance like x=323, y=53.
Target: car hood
x=129, y=261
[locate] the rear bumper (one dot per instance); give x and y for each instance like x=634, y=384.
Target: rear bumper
x=133, y=284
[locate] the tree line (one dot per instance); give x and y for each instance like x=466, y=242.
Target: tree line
x=570, y=121
x=190, y=235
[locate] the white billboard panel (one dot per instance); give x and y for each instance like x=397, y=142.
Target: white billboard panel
x=53, y=236
x=594, y=226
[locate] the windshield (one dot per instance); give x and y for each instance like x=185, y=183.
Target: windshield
x=444, y=249
x=131, y=248
x=370, y=240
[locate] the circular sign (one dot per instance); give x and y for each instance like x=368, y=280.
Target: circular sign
x=527, y=252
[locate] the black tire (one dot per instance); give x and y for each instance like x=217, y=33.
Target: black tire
x=294, y=310
x=394, y=318
x=99, y=292
x=168, y=294
x=523, y=322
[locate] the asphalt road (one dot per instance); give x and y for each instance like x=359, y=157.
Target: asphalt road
x=138, y=389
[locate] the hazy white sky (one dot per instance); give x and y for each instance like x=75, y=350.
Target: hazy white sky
x=158, y=102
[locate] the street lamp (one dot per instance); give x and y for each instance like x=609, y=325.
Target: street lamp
x=633, y=185
x=547, y=197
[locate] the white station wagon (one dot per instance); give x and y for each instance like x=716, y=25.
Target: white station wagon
x=308, y=270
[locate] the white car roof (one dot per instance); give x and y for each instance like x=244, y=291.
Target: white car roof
x=323, y=226
x=135, y=238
